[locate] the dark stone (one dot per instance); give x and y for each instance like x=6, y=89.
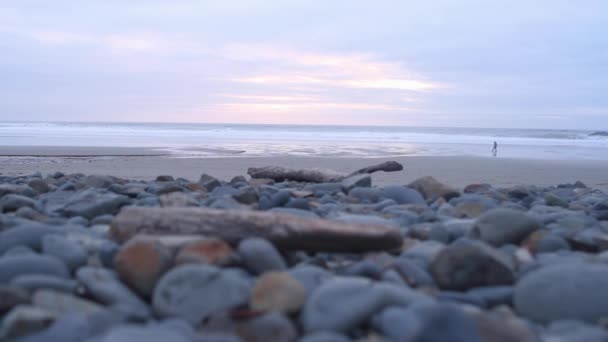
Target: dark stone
x=464, y=265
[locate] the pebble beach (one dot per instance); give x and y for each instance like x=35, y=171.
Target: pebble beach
x=89, y=257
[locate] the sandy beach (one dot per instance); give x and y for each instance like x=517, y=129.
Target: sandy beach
x=145, y=164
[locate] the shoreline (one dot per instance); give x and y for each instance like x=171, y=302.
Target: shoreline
x=147, y=163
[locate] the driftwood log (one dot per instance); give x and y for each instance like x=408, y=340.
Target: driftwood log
x=285, y=231
x=280, y=174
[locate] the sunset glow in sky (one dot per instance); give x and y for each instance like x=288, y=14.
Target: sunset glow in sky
x=434, y=63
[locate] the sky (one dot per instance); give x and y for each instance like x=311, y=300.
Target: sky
x=467, y=63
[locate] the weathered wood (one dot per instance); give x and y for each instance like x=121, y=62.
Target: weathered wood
x=285, y=231
x=280, y=174
x=389, y=166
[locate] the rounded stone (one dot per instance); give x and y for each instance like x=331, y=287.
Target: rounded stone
x=12, y=202
x=194, y=292
x=575, y=290
x=24, y=235
x=260, y=256
x=402, y=194
x=342, y=304
x=502, y=226
x=206, y=251
x=277, y=291
x=71, y=253
x=140, y=263
x=14, y=266
x=465, y=265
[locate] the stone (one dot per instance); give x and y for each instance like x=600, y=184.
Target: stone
x=269, y=327
x=206, y=251
x=432, y=189
x=33, y=282
x=11, y=296
x=260, y=256
x=63, y=303
x=445, y=322
x=14, y=266
x=92, y=203
x=496, y=326
x=295, y=212
x=402, y=194
x=360, y=180
x=310, y=276
x=465, y=265
x=502, y=226
x=126, y=333
x=366, y=195
x=23, y=320
x=551, y=243
x=29, y=235
x=141, y=262
x=194, y=292
x=277, y=291
x=324, y=336
x=494, y=295
x=177, y=199
x=342, y=304
x=574, y=290
x=12, y=202
x=397, y=323
x=412, y=273
x=165, y=178
x=99, y=181
x=574, y=331
x=246, y=195
x=209, y=182
x=68, y=251
x=19, y=250
x=103, y=286
x=39, y=185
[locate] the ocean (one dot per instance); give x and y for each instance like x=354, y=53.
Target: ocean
x=234, y=140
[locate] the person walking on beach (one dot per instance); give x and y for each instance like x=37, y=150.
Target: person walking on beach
x=495, y=149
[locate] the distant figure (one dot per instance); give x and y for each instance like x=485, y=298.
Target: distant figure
x=495, y=149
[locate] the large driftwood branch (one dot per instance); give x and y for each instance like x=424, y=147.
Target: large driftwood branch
x=280, y=174
x=287, y=232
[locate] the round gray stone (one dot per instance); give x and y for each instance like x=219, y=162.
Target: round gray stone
x=194, y=292
x=14, y=266
x=68, y=251
x=260, y=256
x=569, y=291
x=502, y=226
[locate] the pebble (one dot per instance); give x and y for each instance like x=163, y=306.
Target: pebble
x=63, y=303
x=277, y=291
x=465, y=265
x=194, y=292
x=502, y=226
x=29, y=235
x=342, y=304
x=141, y=262
x=92, y=203
x=103, y=286
x=68, y=251
x=13, y=202
x=23, y=320
x=13, y=266
x=564, y=291
x=402, y=194
x=206, y=251
x=432, y=189
x=12, y=296
x=260, y=256
x=33, y=282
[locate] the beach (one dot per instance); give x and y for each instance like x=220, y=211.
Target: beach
x=147, y=163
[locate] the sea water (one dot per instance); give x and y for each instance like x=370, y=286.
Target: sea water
x=221, y=140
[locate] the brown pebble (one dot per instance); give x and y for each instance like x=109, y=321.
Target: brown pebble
x=206, y=251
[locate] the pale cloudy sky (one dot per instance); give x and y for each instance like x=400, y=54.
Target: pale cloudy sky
x=541, y=63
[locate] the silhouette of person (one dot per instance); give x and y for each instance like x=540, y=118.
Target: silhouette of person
x=495, y=149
